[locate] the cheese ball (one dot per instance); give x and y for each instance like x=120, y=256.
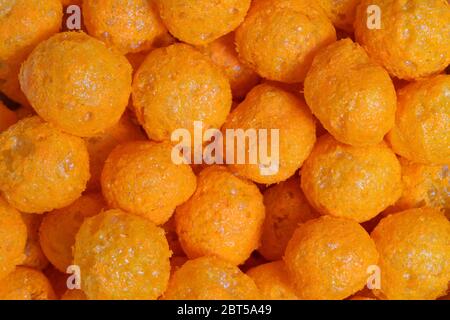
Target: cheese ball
x=279, y=38
x=176, y=86
x=130, y=26
x=59, y=228
x=412, y=42
x=272, y=281
x=122, y=256
x=286, y=207
x=223, y=53
x=341, y=12
x=70, y=2
x=139, y=177
x=209, y=278
x=422, y=126
x=74, y=294
x=101, y=145
x=353, y=98
x=7, y=117
x=352, y=182
x=75, y=82
x=223, y=218
x=202, y=21
x=26, y=284
x=327, y=258
x=13, y=237
x=41, y=167
x=268, y=107
x=414, y=247
x=34, y=257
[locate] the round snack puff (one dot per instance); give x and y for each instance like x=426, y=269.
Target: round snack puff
x=176, y=86
x=272, y=281
x=59, y=228
x=353, y=98
x=286, y=207
x=26, y=284
x=209, y=278
x=327, y=258
x=129, y=25
x=141, y=178
x=223, y=218
x=412, y=41
x=122, y=256
x=34, y=257
x=41, y=168
x=414, y=247
x=202, y=21
x=77, y=83
x=351, y=182
x=279, y=38
x=422, y=127
x=269, y=108
x=7, y=117
x=341, y=12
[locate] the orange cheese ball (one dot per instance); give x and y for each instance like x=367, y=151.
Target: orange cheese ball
x=101, y=145
x=202, y=21
x=130, y=26
x=26, y=284
x=176, y=86
x=414, y=247
x=223, y=218
x=268, y=107
x=352, y=182
x=341, y=12
x=59, y=228
x=286, y=207
x=77, y=83
x=69, y=2
x=209, y=278
x=74, y=295
x=272, y=281
x=279, y=38
x=34, y=257
x=57, y=279
x=13, y=237
x=353, y=98
x=41, y=168
x=413, y=39
x=327, y=258
x=422, y=127
x=7, y=117
x=140, y=177
x=223, y=53
x=122, y=256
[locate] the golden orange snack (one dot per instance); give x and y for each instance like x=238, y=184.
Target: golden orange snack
x=286, y=207
x=341, y=12
x=26, y=284
x=353, y=98
x=70, y=2
x=279, y=38
x=269, y=108
x=272, y=281
x=199, y=22
x=352, y=182
x=176, y=86
x=122, y=256
x=13, y=237
x=41, y=167
x=422, y=126
x=140, y=177
x=209, y=278
x=75, y=82
x=223, y=218
x=412, y=41
x=34, y=257
x=223, y=53
x=101, y=145
x=7, y=117
x=59, y=228
x=74, y=294
x=414, y=247
x=130, y=26
x=327, y=258
x=57, y=279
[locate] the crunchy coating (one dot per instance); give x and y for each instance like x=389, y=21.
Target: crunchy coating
x=341, y=12
x=41, y=167
x=122, y=256
x=223, y=218
x=26, y=284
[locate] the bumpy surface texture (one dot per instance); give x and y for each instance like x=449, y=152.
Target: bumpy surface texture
x=26, y=284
